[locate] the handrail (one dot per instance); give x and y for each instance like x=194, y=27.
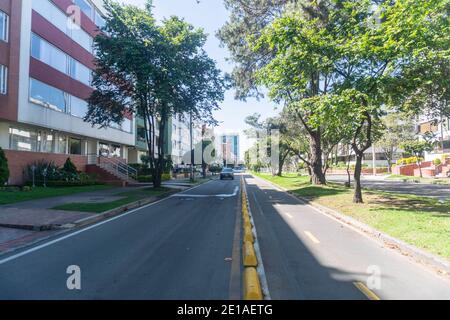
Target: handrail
x=117, y=167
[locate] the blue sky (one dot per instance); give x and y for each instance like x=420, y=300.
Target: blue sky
x=211, y=15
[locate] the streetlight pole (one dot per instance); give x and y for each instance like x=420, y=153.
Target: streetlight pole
x=191, y=146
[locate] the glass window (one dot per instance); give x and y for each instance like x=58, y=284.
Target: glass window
x=59, y=19
x=126, y=125
x=78, y=107
x=51, y=13
x=22, y=140
x=82, y=38
x=80, y=72
x=45, y=142
x=47, y=53
x=62, y=144
x=116, y=151
x=103, y=149
x=4, y=26
x=3, y=79
x=75, y=146
x=48, y=96
x=85, y=7
x=141, y=134
x=99, y=20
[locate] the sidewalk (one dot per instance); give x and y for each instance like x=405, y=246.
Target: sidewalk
x=29, y=221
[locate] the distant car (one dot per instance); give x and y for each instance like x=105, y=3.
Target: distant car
x=227, y=173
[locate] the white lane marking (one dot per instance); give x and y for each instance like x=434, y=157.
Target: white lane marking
x=312, y=238
x=70, y=235
x=289, y=215
x=228, y=195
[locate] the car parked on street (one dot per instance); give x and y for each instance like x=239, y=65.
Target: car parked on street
x=227, y=173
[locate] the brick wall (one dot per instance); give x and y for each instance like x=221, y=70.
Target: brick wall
x=18, y=161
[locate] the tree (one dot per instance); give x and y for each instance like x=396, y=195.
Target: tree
x=4, y=170
x=418, y=148
x=331, y=52
x=397, y=128
x=70, y=167
x=154, y=72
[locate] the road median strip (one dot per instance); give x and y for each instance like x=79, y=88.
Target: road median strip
x=252, y=282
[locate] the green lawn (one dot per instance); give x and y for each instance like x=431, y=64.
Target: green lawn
x=419, y=180
x=128, y=197
x=9, y=197
x=420, y=221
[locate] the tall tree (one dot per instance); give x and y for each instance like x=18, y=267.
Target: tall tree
x=154, y=72
x=397, y=129
x=329, y=61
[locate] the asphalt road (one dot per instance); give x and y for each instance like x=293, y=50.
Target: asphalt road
x=188, y=247
x=308, y=255
x=178, y=248
x=420, y=189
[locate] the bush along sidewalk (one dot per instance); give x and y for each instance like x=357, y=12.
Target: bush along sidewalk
x=4, y=170
x=47, y=174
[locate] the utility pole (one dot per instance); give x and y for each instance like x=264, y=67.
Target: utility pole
x=203, y=151
x=192, y=178
x=374, y=169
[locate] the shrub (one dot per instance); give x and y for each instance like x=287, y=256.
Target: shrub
x=410, y=160
x=437, y=162
x=70, y=167
x=145, y=179
x=40, y=167
x=4, y=171
x=166, y=177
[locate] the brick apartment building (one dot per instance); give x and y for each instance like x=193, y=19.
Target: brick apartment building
x=46, y=63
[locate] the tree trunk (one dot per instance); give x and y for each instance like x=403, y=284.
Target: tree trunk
x=281, y=164
x=317, y=175
x=357, y=197
x=420, y=168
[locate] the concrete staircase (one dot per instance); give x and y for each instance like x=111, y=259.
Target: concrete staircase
x=112, y=171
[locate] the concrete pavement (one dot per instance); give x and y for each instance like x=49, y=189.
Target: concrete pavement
x=308, y=255
x=177, y=248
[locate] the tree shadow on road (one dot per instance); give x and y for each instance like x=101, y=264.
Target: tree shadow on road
x=292, y=268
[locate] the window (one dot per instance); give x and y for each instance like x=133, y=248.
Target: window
x=47, y=53
x=47, y=96
x=59, y=19
x=140, y=133
x=85, y=7
x=3, y=79
x=4, y=26
x=446, y=144
x=103, y=149
x=62, y=144
x=80, y=72
x=75, y=146
x=45, y=142
x=126, y=125
x=428, y=127
x=78, y=107
x=22, y=140
x=116, y=151
x=99, y=20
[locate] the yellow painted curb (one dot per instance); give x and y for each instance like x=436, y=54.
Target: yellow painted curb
x=248, y=235
x=247, y=223
x=250, y=259
x=252, y=287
